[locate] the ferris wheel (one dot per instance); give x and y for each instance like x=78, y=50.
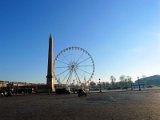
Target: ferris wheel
x=73, y=65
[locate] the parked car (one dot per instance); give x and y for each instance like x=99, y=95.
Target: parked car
x=62, y=91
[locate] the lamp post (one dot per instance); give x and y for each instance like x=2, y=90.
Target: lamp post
x=139, y=84
x=100, y=85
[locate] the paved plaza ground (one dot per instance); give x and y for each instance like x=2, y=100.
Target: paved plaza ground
x=113, y=105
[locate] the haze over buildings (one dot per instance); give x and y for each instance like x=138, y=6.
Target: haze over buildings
x=123, y=37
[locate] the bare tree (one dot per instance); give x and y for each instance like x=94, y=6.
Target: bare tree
x=122, y=81
x=129, y=81
x=113, y=80
x=92, y=84
x=103, y=85
x=125, y=81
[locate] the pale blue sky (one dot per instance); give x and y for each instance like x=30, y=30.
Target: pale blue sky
x=123, y=36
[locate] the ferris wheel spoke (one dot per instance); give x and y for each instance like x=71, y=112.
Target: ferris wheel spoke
x=63, y=62
x=77, y=76
x=79, y=57
x=83, y=60
x=69, y=77
x=84, y=71
x=65, y=76
x=85, y=65
x=62, y=72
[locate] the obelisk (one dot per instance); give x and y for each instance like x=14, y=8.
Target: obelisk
x=50, y=75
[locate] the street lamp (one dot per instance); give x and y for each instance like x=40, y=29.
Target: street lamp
x=100, y=85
